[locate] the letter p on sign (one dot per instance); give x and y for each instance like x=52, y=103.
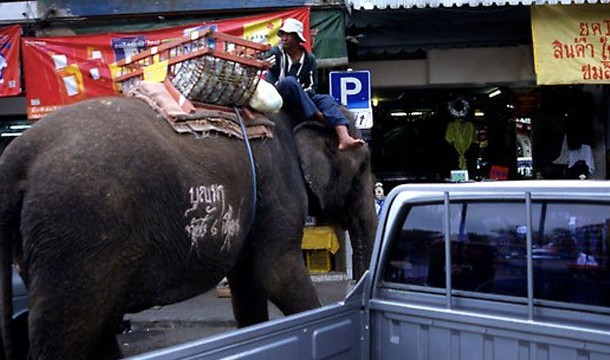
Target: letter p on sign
x=349, y=86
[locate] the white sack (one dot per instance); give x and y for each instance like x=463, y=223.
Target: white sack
x=266, y=99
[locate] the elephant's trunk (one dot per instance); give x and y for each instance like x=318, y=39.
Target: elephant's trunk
x=361, y=224
x=362, y=237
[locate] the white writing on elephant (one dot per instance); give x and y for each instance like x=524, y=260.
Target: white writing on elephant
x=198, y=228
x=212, y=194
x=213, y=197
x=230, y=227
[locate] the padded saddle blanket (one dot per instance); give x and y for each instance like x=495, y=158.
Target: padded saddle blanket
x=185, y=117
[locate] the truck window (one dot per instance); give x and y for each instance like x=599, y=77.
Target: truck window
x=483, y=236
x=488, y=242
x=410, y=254
x=570, y=253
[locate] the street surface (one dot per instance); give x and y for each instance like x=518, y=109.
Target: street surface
x=202, y=316
x=139, y=341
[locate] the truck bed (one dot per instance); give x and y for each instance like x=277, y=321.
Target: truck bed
x=334, y=331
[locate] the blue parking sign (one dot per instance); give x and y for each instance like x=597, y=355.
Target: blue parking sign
x=351, y=88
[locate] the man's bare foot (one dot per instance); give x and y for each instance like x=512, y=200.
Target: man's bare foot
x=350, y=143
x=346, y=141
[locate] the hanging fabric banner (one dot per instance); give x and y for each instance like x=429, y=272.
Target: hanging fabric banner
x=62, y=70
x=571, y=44
x=328, y=33
x=10, y=81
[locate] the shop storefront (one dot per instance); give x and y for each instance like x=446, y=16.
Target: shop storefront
x=458, y=88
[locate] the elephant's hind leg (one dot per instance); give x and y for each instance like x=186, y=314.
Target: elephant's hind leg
x=50, y=340
x=56, y=341
x=71, y=322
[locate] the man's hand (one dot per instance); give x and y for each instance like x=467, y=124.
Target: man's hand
x=271, y=59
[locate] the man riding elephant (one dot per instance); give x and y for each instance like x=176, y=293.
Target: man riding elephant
x=295, y=76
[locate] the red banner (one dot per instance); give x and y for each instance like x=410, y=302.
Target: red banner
x=62, y=70
x=10, y=82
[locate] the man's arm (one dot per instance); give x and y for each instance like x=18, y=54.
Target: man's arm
x=272, y=75
x=312, y=75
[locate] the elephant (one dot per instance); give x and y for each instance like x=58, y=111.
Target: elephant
x=106, y=210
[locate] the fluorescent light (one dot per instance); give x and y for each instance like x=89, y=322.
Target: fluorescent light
x=479, y=113
x=10, y=134
x=416, y=113
x=524, y=120
x=398, y=114
x=20, y=127
x=495, y=93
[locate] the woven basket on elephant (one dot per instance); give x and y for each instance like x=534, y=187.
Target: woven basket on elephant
x=206, y=66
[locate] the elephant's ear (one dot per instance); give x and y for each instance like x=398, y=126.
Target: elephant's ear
x=316, y=145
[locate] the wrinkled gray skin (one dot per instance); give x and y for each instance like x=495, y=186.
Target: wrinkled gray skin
x=106, y=211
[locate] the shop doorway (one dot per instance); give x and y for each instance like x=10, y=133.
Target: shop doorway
x=492, y=132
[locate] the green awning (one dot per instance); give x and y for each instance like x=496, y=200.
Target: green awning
x=328, y=31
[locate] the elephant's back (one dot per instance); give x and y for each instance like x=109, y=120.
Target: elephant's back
x=102, y=146
x=92, y=138
x=77, y=135
x=98, y=118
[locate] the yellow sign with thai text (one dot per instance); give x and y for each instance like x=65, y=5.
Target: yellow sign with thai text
x=263, y=31
x=156, y=72
x=571, y=43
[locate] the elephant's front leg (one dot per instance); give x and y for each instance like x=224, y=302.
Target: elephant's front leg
x=271, y=272
x=289, y=284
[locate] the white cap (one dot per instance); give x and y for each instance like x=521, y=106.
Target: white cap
x=292, y=26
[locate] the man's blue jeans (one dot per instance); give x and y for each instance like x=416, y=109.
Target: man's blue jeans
x=295, y=97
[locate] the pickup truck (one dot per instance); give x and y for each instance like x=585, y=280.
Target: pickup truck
x=489, y=270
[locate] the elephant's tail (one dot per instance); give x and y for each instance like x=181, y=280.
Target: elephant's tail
x=10, y=209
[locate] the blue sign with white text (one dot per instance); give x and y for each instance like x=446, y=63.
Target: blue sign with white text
x=351, y=88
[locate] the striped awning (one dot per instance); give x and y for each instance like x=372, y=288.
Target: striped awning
x=396, y=4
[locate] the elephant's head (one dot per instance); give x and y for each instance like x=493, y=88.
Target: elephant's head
x=341, y=182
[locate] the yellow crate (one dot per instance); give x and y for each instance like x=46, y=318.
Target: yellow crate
x=320, y=237
x=318, y=260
